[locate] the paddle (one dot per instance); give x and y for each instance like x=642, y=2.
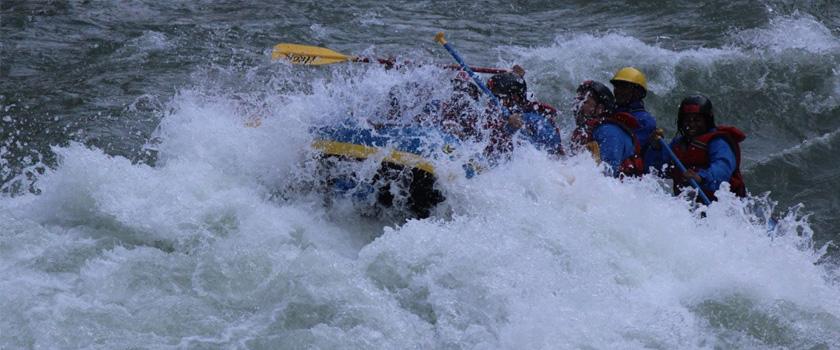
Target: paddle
x=442, y=40
x=317, y=56
x=529, y=118
x=771, y=221
x=313, y=55
x=682, y=169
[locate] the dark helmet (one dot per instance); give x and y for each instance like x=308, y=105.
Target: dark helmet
x=508, y=85
x=601, y=92
x=698, y=104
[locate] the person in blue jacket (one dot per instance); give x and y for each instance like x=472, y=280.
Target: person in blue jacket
x=607, y=134
x=533, y=120
x=711, y=153
x=630, y=88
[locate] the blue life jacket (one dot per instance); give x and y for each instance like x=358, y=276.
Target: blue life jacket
x=541, y=132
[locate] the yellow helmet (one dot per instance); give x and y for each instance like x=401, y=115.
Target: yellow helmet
x=630, y=75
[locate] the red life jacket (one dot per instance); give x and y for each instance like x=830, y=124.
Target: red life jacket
x=630, y=166
x=695, y=156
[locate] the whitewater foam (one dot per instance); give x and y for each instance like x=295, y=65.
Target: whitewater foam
x=799, y=31
x=606, y=53
x=537, y=253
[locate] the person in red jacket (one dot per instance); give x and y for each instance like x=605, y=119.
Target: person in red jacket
x=711, y=153
x=537, y=120
x=607, y=134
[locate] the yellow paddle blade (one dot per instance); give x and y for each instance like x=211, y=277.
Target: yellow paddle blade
x=307, y=55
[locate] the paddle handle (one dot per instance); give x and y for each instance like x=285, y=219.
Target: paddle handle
x=442, y=40
x=391, y=62
x=682, y=169
x=385, y=61
x=486, y=70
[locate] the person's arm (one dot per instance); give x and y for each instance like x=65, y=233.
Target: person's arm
x=656, y=157
x=647, y=124
x=612, y=142
x=721, y=165
x=542, y=133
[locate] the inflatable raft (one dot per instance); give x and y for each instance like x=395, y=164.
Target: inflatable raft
x=405, y=177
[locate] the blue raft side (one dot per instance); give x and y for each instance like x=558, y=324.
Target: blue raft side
x=414, y=140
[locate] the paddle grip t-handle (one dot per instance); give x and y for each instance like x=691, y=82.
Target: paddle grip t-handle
x=682, y=169
x=440, y=39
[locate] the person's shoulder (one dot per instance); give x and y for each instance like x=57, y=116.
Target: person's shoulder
x=610, y=130
x=642, y=114
x=720, y=147
x=531, y=112
x=719, y=141
x=531, y=116
x=608, y=126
